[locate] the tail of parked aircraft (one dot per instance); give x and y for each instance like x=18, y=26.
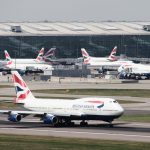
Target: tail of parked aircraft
x=22, y=91
x=112, y=56
x=85, y=56
x=8, y=58
x=51, y=53
x=40, y=55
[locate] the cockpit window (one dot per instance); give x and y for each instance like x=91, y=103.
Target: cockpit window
x=115, y=101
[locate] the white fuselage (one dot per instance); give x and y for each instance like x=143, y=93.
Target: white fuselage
x=117, y=63
x=78, y=107
x=3, y=63
x=27, y=61
x=98, y=59
x=30, y=66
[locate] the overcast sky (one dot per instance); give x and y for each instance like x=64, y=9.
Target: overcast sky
x=74, y=10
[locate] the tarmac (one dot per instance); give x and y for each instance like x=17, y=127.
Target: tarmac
x=124, y=131
x=128, y=131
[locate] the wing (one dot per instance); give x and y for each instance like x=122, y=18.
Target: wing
x=24, y=112
x=38, y=113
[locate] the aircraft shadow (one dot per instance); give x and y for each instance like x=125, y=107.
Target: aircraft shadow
x=105, y=126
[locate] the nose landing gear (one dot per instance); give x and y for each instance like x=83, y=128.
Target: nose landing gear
x=110, y=125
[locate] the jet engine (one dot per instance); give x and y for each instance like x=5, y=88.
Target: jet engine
x=14, y=117
x=50, y=119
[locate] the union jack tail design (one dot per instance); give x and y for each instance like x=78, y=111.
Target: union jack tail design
x=51, y=52
x=112, y=56
x=22, y=91
x=8, y=59
x=85, y=56
x=40, y=55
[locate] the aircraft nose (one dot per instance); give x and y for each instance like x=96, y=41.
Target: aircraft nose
x=121, y=111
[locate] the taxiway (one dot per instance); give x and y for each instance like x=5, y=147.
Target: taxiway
x=121, y=130
x=129, y=131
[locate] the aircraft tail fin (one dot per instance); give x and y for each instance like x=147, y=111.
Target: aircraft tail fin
x=40, y=55
x=8, y=58
x=112, y=56
x=22, y=91
x=51, y=53
x=85, y=55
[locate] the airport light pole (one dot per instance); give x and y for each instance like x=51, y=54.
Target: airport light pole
x=15, y=59
x=125, y=49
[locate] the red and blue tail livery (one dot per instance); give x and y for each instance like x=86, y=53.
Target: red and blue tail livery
x=112, y=56
x=8, y=59
x=51, y=52
x=22, y=91
x=86, y=56
x=40, y=56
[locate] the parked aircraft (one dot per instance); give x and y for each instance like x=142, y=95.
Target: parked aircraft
x=30, y=65
x=89, y=60
x=60, y=112
x=49, y=53
x=50, y=58
x=39, y=58
x=110, y=61
x=134, y=71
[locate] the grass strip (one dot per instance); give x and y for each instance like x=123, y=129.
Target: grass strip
x=98, y=92
x=95, y=92
x=6, y=86
x=136, y=118
x=6, y=105
x=17, y=142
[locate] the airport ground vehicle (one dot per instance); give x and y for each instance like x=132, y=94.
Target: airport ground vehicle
x=134, y=71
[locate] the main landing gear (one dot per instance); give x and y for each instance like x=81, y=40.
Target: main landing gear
x=83, y=123
x=67, y=122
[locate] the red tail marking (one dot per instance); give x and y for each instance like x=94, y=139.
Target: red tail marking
x=42, y=51
x=38, y=58
x=9, y=62
x=114, y=50
x=6, y=54
x=84, y=53
x=23, y=96
x=16, y=79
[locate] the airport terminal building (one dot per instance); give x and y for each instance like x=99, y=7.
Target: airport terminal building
x=23, y=40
